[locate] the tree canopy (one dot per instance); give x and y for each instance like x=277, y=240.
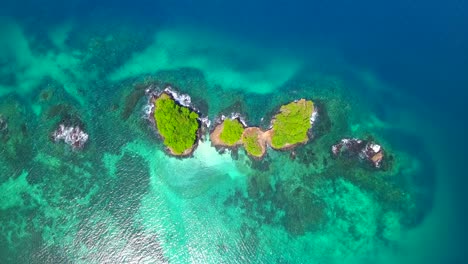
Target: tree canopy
x=291, y=124
x=252, y=144
x=177, y=124
x=232, y=131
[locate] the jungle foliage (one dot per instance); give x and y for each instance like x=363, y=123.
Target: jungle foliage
x=232, y=131
x=291, y=124
x=251, y=144
x=177, y=124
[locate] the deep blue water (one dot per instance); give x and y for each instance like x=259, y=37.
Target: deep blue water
x=418, y=48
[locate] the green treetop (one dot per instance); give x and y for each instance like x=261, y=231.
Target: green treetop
x=177, y=124
x=251, y=144
x=291, y=124
x=232, y=131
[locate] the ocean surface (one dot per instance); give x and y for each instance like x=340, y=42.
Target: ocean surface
x=396, y=72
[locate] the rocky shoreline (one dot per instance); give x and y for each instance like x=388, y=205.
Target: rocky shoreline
x=367, y=151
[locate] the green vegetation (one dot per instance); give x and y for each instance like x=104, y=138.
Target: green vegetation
x=232, y=131
x=177, y=124
x=251, y=144
x=291, y=124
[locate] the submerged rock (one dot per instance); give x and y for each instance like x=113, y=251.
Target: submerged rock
x=3, y=125
x=348, y=145
x=365, y=150
x=72, y=136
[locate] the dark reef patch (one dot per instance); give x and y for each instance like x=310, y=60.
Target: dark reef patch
x=16, y=145
x=65, y=114
x=421, y=183
x=286, y=203
x=124, y=193
x=260, y=165
x=132, y=99
x=304, y=211
x=306, y=154
x=202, y=105
x=323, y=124
x=237, y=107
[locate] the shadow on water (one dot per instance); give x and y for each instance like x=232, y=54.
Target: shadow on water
x=423, y=182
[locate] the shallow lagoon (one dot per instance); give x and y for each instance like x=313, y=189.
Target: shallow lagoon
x=122, y=199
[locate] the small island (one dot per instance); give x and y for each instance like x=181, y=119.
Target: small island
x=228, y=133
x=178, y=125
x=254, y=141
x=291, y=124
x=289, y=128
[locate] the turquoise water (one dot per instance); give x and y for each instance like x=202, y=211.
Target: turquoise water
x=122, y=199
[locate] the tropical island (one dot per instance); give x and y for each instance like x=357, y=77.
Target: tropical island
x=228, y=133
x=289, y=127
x=291, y=124
x=178, y=125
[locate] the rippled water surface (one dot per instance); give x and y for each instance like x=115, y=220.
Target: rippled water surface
x=123, y=199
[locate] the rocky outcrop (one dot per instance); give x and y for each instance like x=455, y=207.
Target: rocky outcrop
x=373, y=153
x=365, y=150
x=182, y=99
x=314, y=116
x=72, y=136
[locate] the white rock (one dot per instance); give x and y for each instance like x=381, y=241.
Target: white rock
x=205, y=121
x=376, y=148
x=73, y=136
